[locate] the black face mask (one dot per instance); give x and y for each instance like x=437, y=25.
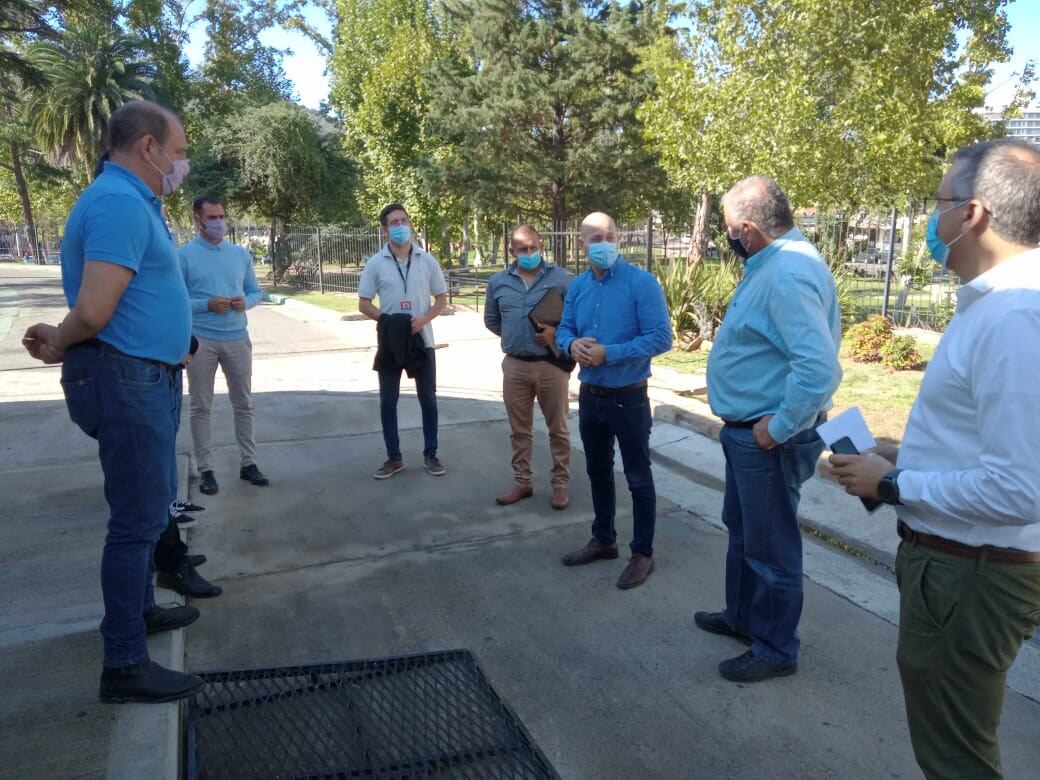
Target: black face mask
x=738, y=248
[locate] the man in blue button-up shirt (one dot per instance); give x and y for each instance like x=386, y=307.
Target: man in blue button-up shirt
x=614, y=321
x=771, y=374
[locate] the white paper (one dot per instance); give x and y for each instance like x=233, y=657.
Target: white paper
x=849, y=423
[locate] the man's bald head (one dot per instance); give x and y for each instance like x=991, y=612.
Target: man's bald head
x=136, y=119
x=524, y=234
x=598, y=226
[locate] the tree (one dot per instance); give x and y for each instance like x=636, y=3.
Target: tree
x=91, y=71
x=844, y=102
x=540, y=121
x=379, y=67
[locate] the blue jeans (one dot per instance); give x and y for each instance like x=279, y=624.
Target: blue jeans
x=623, y=415
x=390, y=391
x=764, y=559
x=132, y=407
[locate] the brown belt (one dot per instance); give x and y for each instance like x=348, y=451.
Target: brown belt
x=994, y=554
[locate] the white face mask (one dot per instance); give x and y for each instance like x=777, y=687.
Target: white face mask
x=172, y=180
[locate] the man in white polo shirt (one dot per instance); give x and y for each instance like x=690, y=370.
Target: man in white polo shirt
x=404, y=277
x=966, y=480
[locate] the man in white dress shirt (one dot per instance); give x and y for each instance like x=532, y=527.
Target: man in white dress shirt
x=966, y=481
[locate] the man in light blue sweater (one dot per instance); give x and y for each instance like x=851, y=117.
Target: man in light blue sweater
x=221, y=285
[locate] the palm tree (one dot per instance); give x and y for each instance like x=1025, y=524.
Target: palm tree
x=93, y=69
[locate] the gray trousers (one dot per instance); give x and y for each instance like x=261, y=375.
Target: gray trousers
x=235, y=359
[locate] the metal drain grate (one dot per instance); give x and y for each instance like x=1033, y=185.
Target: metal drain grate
x=429, y=715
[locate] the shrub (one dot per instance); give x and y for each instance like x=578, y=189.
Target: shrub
x=900, y=354
x=867, y=339
x=697, y=294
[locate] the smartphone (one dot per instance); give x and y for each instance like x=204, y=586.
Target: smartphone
x=844, y=446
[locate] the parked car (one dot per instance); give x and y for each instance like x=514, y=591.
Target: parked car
x=6, y=256
x=54, y=258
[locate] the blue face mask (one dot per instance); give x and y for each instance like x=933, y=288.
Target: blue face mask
x=939, y=250
x=602, y=254
x=400, y=234
x=529, y=262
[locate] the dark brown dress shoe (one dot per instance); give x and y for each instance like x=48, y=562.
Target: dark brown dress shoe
x=595, y=550
x=518, y=493
x=560, y=499
x=635, y=574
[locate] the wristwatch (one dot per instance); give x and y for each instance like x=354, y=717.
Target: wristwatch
x=888, y=487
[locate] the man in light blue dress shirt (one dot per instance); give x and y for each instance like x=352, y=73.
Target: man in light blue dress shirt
x=615, y=320
x=771, y=374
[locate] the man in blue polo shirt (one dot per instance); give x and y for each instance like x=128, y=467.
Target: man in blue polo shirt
x=614, y=321
x=771, y=375
x=128, y=330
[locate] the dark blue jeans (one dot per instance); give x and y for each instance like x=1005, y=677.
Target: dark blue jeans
x=764, y=559
x=390, y=391
x=132, y=408
x=625, y=416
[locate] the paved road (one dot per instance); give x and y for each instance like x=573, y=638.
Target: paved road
x=328, y=564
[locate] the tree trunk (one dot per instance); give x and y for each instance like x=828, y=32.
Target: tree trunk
x=23, y=195
x=699, y=238
x=559, y=194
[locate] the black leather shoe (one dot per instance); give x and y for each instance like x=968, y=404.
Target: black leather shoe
x=146, y=682
x=252, y=474
x=750, y=668
x=188, y=582
x=168, y=618
x=208, y=483
x=716, y=624
x=194, y=560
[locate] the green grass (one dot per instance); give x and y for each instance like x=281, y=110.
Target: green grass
x=885, y=397
x=341, y=302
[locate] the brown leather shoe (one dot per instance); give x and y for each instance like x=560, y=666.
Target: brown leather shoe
x=595, y=550
x=635, y=574
x=560, y=499
x=516, y=494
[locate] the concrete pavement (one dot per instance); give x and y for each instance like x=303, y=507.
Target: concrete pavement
x=328, y=564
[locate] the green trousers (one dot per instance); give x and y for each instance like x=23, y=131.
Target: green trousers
x=961, y=624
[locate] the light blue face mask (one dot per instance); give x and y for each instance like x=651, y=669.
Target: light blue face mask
x=937, y=248
x=400, y=234
x=529, y=262
x=603, y=254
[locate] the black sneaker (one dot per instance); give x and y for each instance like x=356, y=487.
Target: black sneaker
x=188, y=582
x=252, y=474
x=146, y=682
x=168, y=618
x=180, y=518
x=208, y=483
x=186, y=506
x=716, y=624
x=750, y=668
x=434, y=466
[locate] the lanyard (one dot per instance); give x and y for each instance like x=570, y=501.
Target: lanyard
x=406, y=271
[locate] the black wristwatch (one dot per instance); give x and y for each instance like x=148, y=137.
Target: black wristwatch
x=888, y=487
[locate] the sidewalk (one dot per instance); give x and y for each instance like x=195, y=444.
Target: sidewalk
x=328, y=564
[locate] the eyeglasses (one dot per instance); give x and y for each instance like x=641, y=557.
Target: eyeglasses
x=397, y=222
x=931, y=204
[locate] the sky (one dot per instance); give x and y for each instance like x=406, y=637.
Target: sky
x=305, y=66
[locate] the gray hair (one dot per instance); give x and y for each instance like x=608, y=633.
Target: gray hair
x=1005, y=175
x=134, y=119
x=759, y=199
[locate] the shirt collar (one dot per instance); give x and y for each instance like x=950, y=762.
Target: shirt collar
x=207, y=245
x=610, y=271
x=413, y=251
x=1009, y=273
x=136, y=181
x=544, y=269
x=760, y=257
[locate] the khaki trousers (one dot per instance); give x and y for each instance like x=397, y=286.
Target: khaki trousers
x=961, y=624
x=235, y=358
x=523, y=382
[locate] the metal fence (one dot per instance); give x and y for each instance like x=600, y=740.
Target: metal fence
x=881, y=259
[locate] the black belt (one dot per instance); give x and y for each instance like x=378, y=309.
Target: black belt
x=531, y=358
x=104, y=347
x=821, y=417
x=606, y=392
